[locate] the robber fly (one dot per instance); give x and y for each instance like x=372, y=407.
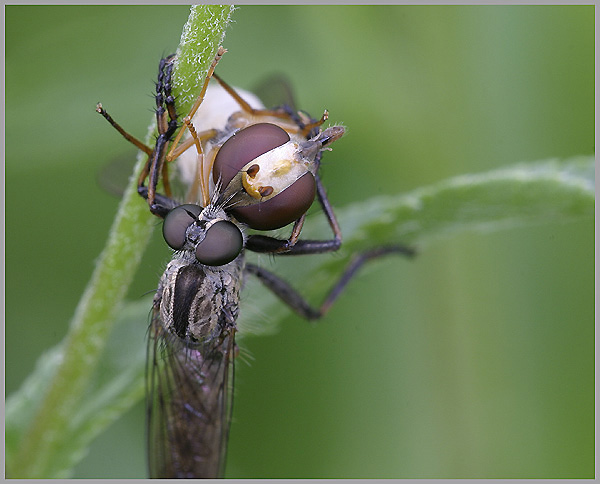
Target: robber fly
x=243, y=167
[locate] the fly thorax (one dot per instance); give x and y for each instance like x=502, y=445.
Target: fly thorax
x=196, y=300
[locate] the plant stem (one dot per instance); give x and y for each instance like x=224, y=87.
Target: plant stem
x=45, y=445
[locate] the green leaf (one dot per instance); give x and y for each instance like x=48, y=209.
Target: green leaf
x=530, y=193
x=551, y=191
x=116, y=385
x=49, y=424
x=527, y=193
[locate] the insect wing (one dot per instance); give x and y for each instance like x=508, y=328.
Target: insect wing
x=188, y=404
x=275, y=91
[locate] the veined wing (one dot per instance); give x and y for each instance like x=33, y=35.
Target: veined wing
x=188, y=403
x=275, y=90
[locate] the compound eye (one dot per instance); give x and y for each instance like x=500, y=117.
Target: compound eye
x=244, y=146
x=282, y=209
x=176, y=223
x=223, y=243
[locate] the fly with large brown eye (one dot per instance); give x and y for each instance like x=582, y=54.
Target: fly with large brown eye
x=243, y=169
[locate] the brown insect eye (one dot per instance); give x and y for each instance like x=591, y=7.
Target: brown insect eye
x=176, y=223
x=223, y=243
x=244, y=146
x=283, y=208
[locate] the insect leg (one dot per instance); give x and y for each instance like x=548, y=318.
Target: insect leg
x=220, y=52
x=132, y=139
x=283, y=112
x=296, y=301
x=203, y=163
x=165, y=109
x=201, y=175
x=189, y=142
x=169, y=102
x=162, y=204
x=308, y=130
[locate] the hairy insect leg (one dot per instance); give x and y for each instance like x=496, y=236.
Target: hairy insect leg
x=132, y=139
x=220, y=52
x=162, y=205
x=201, y=172
x=204, y=163
x=143, y=191
x=309, y=128
x=166, y=122
x=164, y=91
x=296, y=301
x=189, y=142
x=295, y=235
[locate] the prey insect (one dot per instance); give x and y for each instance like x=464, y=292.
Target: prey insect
x=242, y=167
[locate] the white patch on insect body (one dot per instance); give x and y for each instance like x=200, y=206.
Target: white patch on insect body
x=277, y=169
x=214, y=113
x=218, y=106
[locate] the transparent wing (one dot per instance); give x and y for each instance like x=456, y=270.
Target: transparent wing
x=113, y=176
x=188, y=404
x=276, y=90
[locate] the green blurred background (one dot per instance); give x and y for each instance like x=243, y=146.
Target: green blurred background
x=474, y=360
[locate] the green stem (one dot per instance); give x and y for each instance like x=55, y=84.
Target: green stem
x=39, y=453
x=87, y=336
